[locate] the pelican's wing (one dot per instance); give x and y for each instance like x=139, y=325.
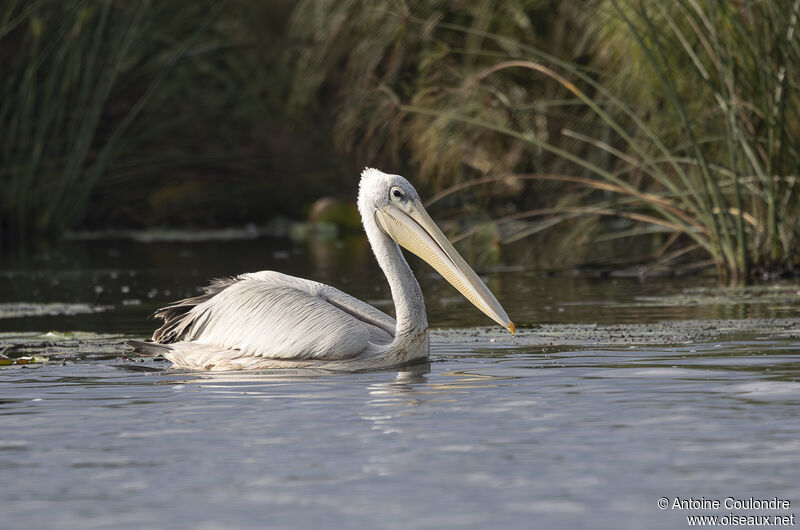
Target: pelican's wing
x=360, y=310
x=272, y=315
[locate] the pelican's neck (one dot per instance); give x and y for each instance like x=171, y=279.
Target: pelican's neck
x=407, y=296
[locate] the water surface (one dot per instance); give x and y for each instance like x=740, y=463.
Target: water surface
x=584, y=422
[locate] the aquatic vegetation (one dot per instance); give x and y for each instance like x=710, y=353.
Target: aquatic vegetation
x=112, y=110
x=652, y=333
x=54, y=346
x=549, y=133
x=61, y=64
x=680, y=119
x=710, y=130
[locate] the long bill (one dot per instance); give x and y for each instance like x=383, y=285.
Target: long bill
x=414, y=230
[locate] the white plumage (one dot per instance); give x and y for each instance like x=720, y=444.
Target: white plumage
x=267, y=319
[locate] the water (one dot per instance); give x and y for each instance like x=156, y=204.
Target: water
x=589, y=432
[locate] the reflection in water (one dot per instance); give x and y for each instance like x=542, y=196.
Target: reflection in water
x=406, y=383
x=412, y=375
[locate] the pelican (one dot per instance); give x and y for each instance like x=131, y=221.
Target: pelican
x=265, y=320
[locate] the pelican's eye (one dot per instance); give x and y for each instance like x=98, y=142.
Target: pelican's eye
x=397, y=194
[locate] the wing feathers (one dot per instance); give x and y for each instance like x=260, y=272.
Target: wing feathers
x=174, y=315
x=272, y=315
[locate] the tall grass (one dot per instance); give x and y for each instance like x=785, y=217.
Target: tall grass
x=61, y=63
x=682, y=118
x=593, y=120
x=728, y=123
x=103, y=99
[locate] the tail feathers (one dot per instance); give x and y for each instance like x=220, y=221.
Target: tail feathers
x=197, y=356
x=178, y=317
x=207, y=357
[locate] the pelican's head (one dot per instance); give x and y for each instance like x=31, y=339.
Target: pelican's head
x=398, y=211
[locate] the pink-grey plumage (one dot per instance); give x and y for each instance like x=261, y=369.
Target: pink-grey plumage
x=267, y=319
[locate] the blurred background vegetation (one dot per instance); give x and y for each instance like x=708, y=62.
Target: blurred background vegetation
x=549, y=134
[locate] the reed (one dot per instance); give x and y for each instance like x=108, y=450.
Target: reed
x=103, y=102
x=681, y=116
